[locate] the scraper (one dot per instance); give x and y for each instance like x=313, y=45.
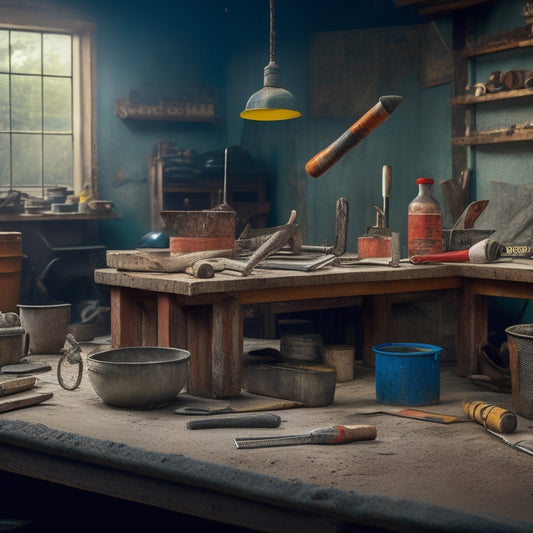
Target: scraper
x=331, y=435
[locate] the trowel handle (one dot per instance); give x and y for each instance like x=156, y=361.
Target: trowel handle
x=386, y=181
x=456, y=256
x=343, y=434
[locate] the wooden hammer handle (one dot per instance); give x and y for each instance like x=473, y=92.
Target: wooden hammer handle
x=325, y=159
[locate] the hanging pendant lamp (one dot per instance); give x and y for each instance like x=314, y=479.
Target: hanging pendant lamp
x=271, y=102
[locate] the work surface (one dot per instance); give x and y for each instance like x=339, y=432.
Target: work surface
x=416, y=475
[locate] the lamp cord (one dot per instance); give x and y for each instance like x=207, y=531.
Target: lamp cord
x=272, y=31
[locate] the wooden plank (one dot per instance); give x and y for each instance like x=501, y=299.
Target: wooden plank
x=505, y=289
x=377, y=312
x=494, y=137
x=24, y=399
x=283, y=294
x=496, y=42
x=226, y=349
x=126, y=318
x=468, y=99
x=199, y=344
x=10, y=385
x=471, y=328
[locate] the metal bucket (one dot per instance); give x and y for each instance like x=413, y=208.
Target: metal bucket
x=520, y=342
x=46, y=325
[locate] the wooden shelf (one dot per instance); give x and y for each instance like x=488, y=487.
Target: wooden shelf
x=497, y=42
x=494, y=137
x=470, y=99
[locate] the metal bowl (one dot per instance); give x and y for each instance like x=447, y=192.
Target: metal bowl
x=138, y=377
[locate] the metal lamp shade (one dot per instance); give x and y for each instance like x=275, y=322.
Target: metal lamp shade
x=271, y=102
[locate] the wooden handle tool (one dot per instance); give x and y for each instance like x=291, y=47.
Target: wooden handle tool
x=483, y=251
x=325, y=159
x=331, y=435
x=491, y=416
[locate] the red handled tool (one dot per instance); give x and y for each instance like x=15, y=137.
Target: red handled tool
x=483, y=251
x=331, y=435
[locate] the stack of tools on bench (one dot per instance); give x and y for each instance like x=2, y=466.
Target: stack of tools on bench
x=200, y=253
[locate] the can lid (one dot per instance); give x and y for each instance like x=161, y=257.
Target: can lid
x=425, y=180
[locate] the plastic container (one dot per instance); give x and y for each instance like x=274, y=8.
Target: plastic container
x=10, y=270
x=407, y=374
x=520, y=342
x=424, y=221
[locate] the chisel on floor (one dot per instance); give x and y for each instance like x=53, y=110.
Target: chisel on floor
x=267, y=420
x=331, y=435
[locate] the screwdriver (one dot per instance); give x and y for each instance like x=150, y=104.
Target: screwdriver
x=331, y=435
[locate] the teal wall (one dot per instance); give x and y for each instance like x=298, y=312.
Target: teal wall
x=162, y=47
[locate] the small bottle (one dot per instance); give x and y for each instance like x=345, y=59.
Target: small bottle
x=424, y=221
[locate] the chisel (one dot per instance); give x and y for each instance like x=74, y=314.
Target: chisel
x=331, y=435
x=267, y=420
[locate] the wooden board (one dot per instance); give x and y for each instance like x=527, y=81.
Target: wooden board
x=9, y=385
x=158, y=260
x=23, y=399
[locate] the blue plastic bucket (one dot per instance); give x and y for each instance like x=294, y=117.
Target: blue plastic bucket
x=407, y=373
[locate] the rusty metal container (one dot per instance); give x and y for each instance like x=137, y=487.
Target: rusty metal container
x=309, y=383
x=195, y=231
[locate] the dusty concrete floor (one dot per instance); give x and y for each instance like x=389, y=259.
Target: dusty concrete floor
x=459, y=466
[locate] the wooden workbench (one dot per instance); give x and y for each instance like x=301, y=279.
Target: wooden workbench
x=205, y=316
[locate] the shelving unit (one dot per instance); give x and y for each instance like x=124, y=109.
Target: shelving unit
x=246, y=194
x=517, y=38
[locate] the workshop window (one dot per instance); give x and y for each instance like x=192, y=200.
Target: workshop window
x=46, y=104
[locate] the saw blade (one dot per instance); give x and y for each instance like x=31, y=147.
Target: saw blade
x=269, y=442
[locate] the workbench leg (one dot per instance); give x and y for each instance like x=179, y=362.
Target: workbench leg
x=133, y=321
x=215, y=340
x=472, y=329
x=377, y=314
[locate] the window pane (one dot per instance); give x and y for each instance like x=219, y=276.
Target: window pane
x=57, y=55
x=4, y=51
x=4, y=102
x=57, y=105
x=25, y=52
x=26, y=103
x=26, y=160
x=58, y=160
x=4, y=159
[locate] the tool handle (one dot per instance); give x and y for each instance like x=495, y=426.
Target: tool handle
x=386, y=181
x=325, y=159
x=457, y=256
x=266, y=420
x=342, y=434
x=491, y=416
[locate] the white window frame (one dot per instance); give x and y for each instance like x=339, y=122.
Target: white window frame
x=43, y=16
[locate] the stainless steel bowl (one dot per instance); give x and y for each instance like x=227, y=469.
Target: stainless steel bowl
x=139, y=377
